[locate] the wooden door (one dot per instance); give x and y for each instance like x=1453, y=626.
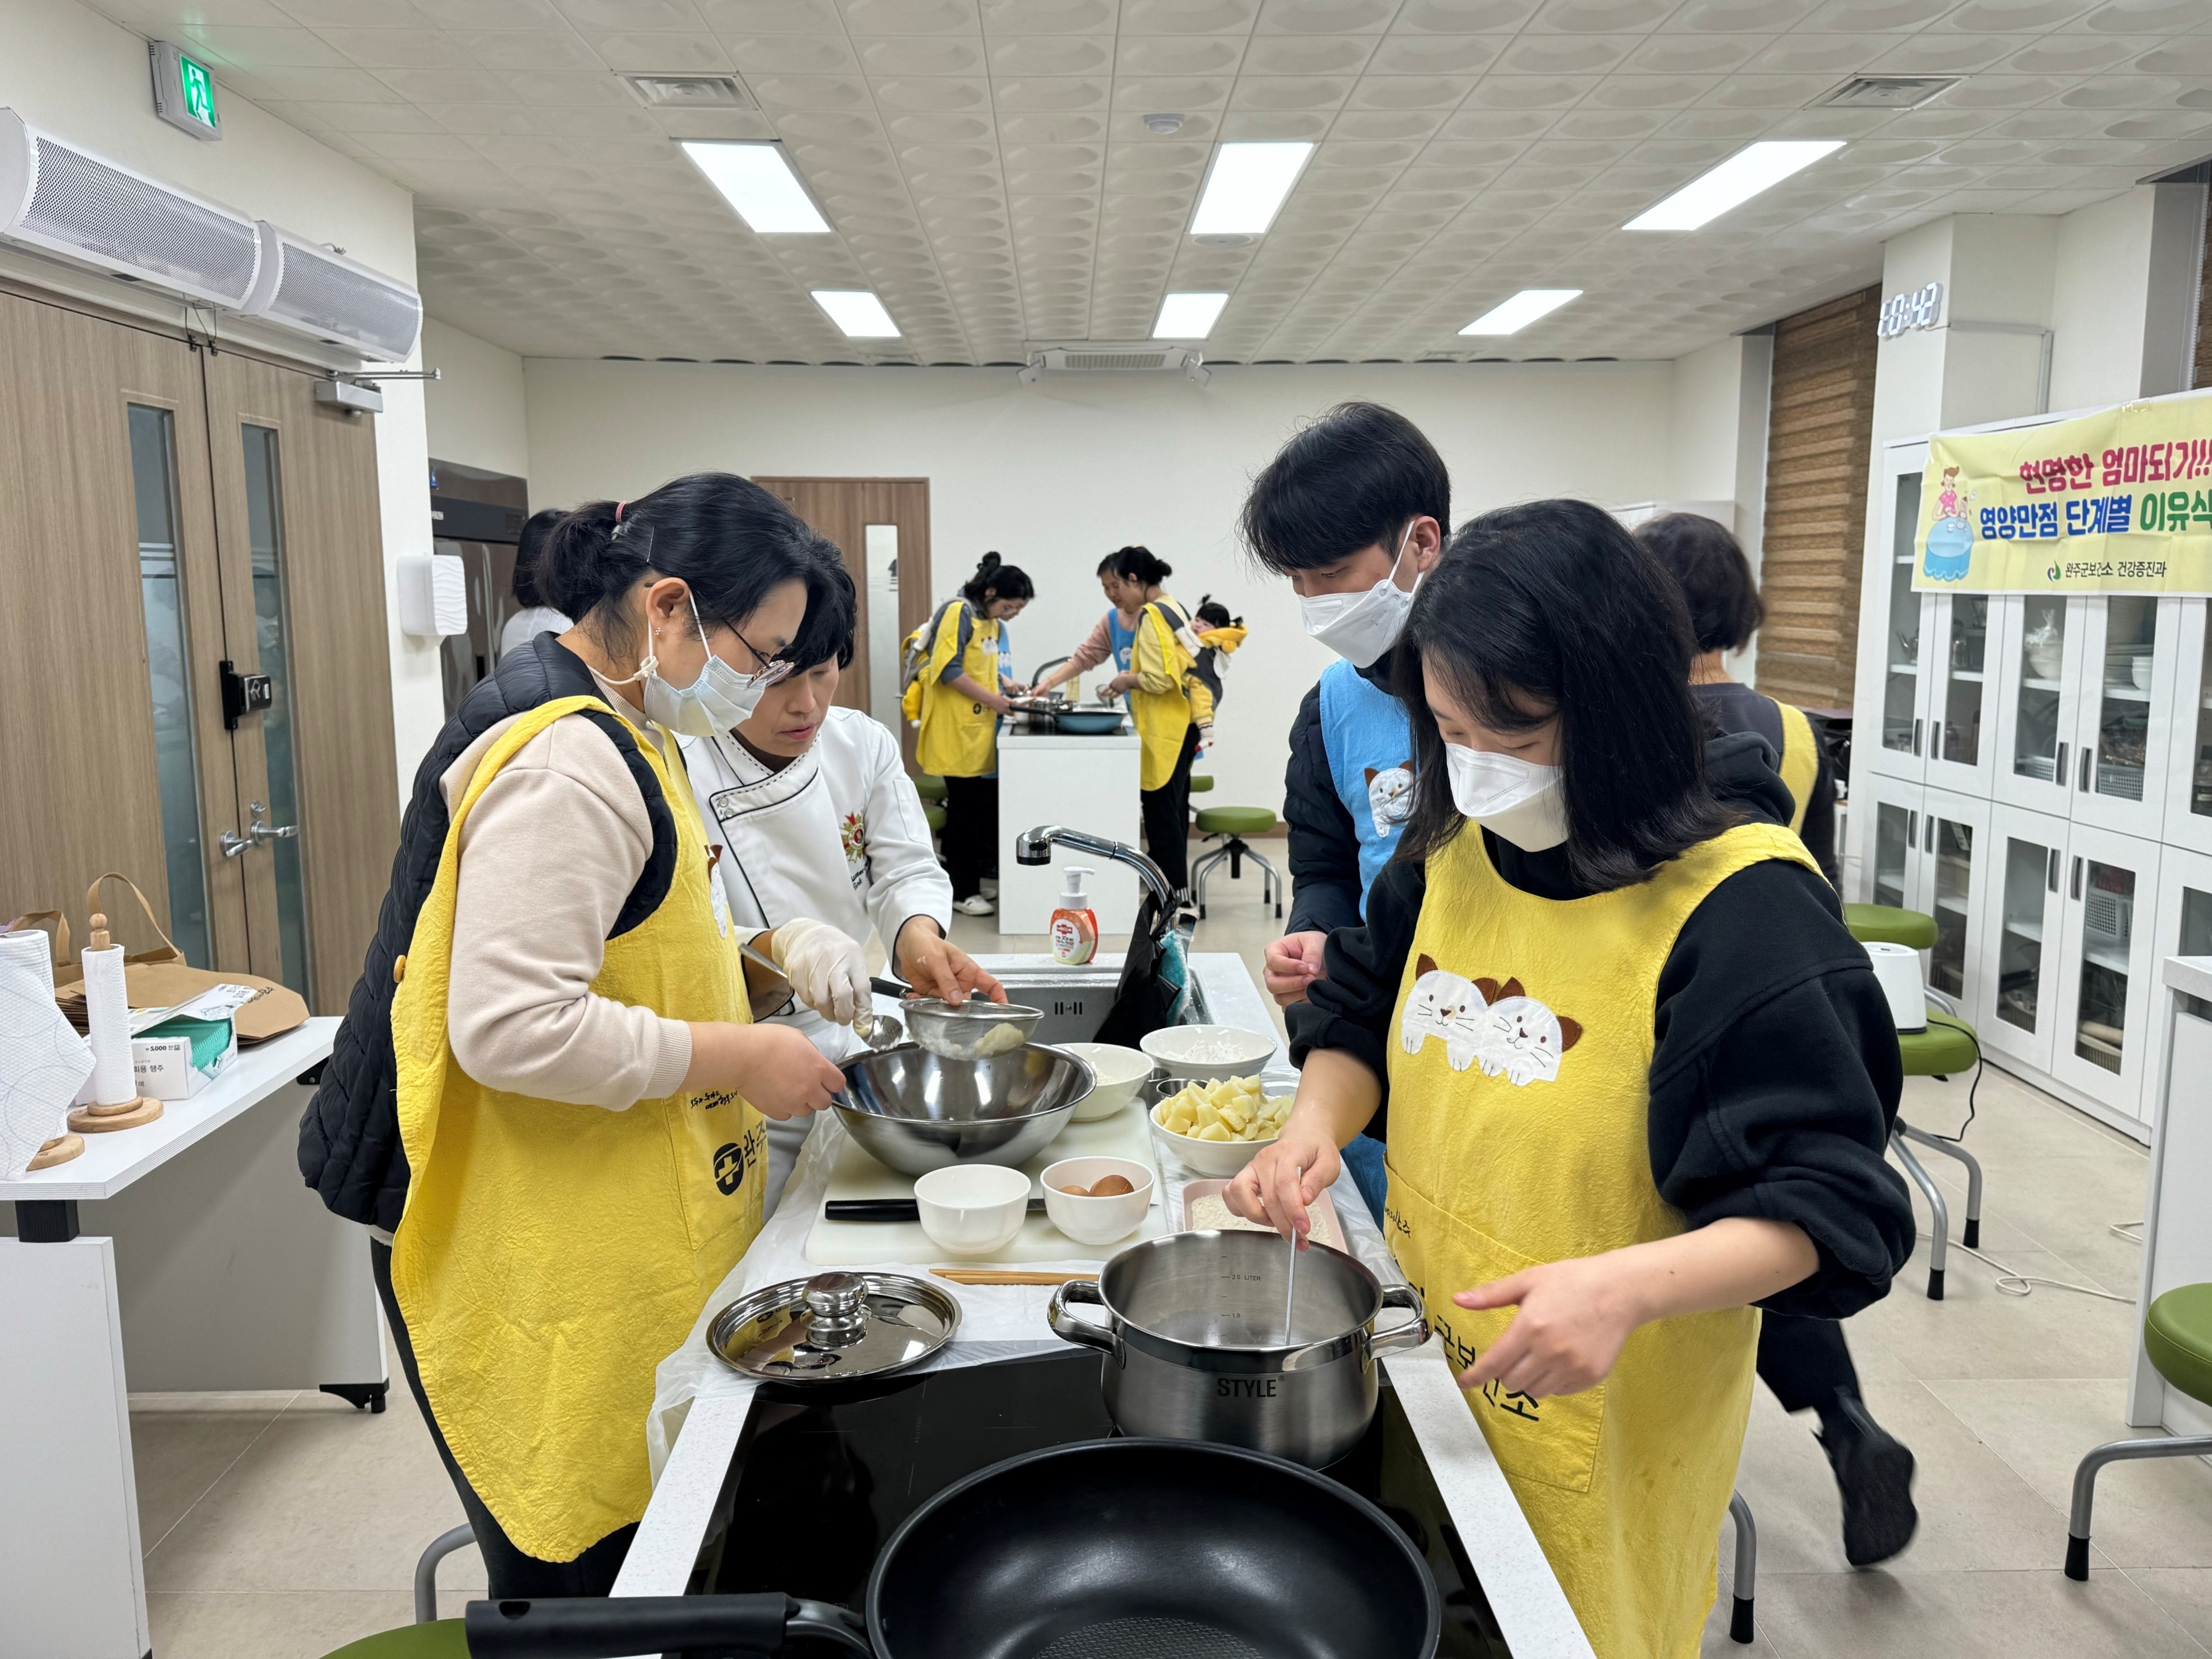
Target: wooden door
x=302, y=551
x=113, y=751
x=842, y=509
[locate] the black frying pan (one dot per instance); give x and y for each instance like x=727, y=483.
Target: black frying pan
x=1105, y=1549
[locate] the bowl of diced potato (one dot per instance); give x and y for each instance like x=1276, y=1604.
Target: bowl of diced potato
x=1216, y=1128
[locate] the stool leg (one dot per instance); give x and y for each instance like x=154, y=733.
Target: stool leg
x=2085, y=1485
x=1971, y=1235
x=1939, y=1238
x=1200, y=871
x=1274, y=888
x=1746, y=1568
x=426, y=1571
x=1236, y=859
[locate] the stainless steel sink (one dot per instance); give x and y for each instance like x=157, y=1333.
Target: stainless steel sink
x=1075, y=999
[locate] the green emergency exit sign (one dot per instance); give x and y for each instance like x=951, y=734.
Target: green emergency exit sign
x=184, y=90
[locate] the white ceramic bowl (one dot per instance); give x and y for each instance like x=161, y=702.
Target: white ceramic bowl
x=1120, y=1072
x=1197, y=1051
x=972, y=1209
x=1213, y=1160
x=1096, y=1220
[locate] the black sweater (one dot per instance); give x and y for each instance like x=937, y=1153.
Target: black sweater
x=1775, y=1070
x=1732, y=707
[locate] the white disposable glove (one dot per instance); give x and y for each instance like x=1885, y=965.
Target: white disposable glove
x=828, y=972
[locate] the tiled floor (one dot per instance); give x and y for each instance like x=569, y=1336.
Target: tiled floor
x=280, y=1529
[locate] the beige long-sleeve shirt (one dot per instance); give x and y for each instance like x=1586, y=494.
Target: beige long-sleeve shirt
x=549, y=851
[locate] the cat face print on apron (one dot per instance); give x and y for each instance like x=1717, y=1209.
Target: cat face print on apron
x=1519, y=1135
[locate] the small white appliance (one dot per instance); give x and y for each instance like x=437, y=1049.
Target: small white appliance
x=1897, y=968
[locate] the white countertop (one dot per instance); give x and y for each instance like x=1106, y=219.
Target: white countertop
x=1021, y=740
x=2191, y=974
x=111, y=1162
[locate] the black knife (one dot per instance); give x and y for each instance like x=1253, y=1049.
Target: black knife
x=887, y=1209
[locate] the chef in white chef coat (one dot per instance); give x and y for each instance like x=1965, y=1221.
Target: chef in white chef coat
x=815, y=817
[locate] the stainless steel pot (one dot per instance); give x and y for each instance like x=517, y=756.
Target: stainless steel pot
x=1194, y=1342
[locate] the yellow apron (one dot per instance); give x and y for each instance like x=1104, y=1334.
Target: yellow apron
x=550, y=1256
x=1801, y=761
x=959, y=737
x=1162, y=717
x=1519, y=1098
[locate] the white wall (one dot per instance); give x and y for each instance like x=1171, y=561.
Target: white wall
x=474, y=409
x=2122, y=302
x=1057, y=475
x=1716, y=433
x=65, y=67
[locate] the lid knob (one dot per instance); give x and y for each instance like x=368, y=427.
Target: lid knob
x=838, y=1306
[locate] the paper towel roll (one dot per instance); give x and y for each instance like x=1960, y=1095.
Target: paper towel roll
x=107, y=1016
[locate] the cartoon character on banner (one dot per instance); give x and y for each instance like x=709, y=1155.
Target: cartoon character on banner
x=1951, y=538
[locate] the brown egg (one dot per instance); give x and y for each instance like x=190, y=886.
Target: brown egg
x=1112, y=1186
x=1077, y=1192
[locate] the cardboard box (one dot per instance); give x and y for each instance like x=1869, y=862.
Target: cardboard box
x=177, y=1059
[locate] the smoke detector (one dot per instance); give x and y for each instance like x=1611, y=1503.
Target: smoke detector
x=1163, y=123
x=688, y=91
x=1889, y=91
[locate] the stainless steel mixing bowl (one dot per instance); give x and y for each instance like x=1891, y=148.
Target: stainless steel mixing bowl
x=966, y=1031
x=917, y=1112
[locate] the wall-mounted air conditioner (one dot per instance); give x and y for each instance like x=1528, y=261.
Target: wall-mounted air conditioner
x=1139, y=357
x=307, y=289
x=65, y=200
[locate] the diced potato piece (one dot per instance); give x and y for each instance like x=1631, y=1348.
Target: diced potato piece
x=1214, y=1131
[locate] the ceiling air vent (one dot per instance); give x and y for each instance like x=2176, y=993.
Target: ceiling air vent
x=1889, y=91
x=305, y=288
x=62, y=200
x=1102, y=359
x=689, y=91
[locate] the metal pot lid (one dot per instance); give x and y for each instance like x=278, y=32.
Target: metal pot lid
x=833, y=1327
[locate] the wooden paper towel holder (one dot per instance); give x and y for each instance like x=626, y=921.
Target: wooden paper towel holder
x=96, y=1120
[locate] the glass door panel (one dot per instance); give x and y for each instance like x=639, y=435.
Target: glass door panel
x=1963, y=675
x=2124, y=696
x=1951, y=900
x=2019, y=937
x=2108, y=901
x=2127, y=679
x=2019, y=961
x=2189, y=769
x=2038, y=750
x=154, y=489
x=1893, y=847
x=277, y=824
x=1901, y=705
x=2103, y=1036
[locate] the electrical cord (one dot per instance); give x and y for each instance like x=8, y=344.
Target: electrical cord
x=2009, y=1283
x=1960, y=1137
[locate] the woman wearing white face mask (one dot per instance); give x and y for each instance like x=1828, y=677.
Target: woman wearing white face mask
x=547, y=1095
x=1639, y=1076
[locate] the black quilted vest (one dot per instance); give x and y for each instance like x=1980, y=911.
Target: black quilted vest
x=349, y=1149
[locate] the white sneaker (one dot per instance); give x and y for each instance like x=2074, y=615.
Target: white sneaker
x=977, y=905
x=990, y=886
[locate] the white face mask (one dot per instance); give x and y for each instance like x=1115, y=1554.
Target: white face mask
x=719, y=700
x=1361, y=627
x=1518, y=800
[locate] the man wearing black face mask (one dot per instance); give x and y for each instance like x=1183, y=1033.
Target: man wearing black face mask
x=1354, y=510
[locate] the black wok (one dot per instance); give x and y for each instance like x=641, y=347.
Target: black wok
x=1105, y=1549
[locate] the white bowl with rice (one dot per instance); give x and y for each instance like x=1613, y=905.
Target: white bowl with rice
x=1208, y=1054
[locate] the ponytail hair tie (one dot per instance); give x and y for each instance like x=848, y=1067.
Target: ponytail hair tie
x=618, y=510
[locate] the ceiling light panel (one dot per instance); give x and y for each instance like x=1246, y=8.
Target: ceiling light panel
x=1188, y=316
x=758, y=182
x=857, y=312
x=1522, y=309
x=1745, y=174
x=1247, y=186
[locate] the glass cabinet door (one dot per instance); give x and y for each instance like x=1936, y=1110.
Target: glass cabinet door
x=2189, y=771
x=1953, y=845
x=1895, y=829
x=1962, y=672
x=2103, y=1030
x=1903, y=700
x=2184, y=929
x=2126, y=677
x=2036, y=648
x=2021, y=953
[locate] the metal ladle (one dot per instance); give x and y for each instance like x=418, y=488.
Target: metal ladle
x=877, y=1030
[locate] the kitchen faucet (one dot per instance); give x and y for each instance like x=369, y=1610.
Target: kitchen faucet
x=1035, y=846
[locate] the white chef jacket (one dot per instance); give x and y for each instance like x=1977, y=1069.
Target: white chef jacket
x=837, y=835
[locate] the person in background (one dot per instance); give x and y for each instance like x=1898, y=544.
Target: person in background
x=547, y=1094
x=536, y=617
x=1806, y=1362
x=1218, y=636
x=1114, y=637
x=1169, y=704
x=819, y=828
x=1354, y=510
x=964, y=690
x=1640, y=1078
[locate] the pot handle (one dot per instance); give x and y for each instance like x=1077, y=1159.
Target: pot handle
x=1410, y=1334
x=601, y=1628
x=1068, y=1329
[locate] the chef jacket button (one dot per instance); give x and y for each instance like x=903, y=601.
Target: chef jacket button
x=399, y=968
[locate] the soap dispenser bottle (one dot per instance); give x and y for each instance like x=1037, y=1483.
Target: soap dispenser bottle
x=1074, y=924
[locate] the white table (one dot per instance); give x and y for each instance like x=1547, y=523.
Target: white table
x=198, y=1261
x=1089, y=784
x=2178, y=1222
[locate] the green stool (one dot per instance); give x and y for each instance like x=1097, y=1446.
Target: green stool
x=2177, y=1339
x=1947, y=1046
x=429, y=1636
x=1200, y=783
x=1235, y=822
x=934, y=815
x=929, y=786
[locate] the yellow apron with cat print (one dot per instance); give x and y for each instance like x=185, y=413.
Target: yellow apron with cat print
x=1801, y=761
x=959, y=737
x=1519, y=1099
x=550, y=1256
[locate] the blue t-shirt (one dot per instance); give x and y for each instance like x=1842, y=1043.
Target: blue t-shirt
x=1124, y=642
x=1371, y=760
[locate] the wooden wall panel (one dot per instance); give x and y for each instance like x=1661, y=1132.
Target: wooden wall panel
x=1820, y=435
x=842, y=509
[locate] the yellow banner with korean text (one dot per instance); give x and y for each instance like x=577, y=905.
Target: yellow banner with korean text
x=2115, y=502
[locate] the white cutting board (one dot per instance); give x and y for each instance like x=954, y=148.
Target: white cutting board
x=866, y=1243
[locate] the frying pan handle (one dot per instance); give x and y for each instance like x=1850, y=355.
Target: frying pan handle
x=1410, y=1334
x=597, y=1627
x=1068, y=1329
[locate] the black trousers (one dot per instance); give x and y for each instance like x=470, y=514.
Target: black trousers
x=971, y=833
x=509, y=1572
x=1167, y=816
x=1805, y=1361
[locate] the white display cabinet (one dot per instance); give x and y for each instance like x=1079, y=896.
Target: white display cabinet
x=2017, y=1011
x=2102, y=1039
x=1925, y=849
x=2188, y=771
x=2124, y=694
x=2037, y=649
x=1896, y=631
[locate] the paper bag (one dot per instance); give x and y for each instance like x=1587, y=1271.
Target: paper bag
x=161, y=978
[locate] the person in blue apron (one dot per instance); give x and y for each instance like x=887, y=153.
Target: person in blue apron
x=1806, y=1362
x=1354, y=510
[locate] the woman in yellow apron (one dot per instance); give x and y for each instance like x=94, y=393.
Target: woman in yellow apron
x=1806, y=1362
x=1168, y=702
x=964, y=685
x=1638, y=1077
x=578, y=1090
